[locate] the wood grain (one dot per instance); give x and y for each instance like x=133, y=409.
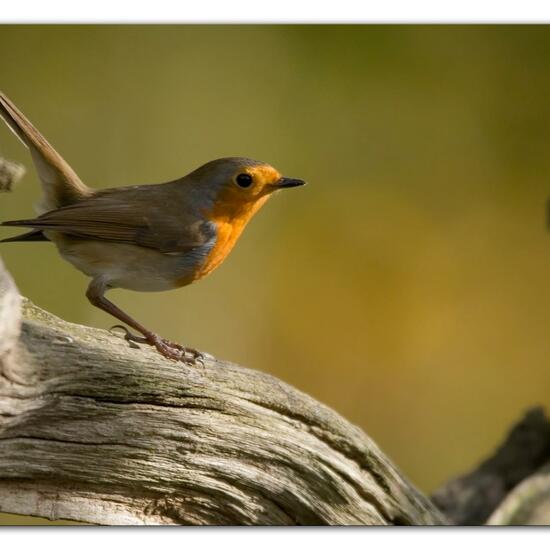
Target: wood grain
x=96, y=431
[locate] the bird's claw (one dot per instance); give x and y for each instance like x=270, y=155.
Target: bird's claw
x=131, y=338
x=170, y=350
x=173, y=350
x=195, y=354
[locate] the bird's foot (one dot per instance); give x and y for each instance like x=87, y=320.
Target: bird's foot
x=173, y=350
x=195, y=354
x=170, y=350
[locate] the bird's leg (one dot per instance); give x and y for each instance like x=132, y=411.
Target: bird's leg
x=95, y=294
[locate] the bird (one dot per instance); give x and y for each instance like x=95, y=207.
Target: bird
x=151, y=237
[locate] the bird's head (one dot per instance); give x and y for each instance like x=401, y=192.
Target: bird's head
x=238, y=186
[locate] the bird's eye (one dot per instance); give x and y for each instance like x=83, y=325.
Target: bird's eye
x=244, y=180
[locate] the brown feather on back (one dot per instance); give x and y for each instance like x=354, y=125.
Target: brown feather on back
x=130, y=215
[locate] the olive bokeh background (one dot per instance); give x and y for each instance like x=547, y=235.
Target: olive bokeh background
x=407, y=286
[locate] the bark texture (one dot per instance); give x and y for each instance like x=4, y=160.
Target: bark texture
x=94, y=430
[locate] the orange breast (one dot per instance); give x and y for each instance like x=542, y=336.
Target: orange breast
x=230, y=219
x=227, y=235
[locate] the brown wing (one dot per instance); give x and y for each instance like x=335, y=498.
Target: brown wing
x=152, y=216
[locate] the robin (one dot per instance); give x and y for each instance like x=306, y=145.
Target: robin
x=143, y=237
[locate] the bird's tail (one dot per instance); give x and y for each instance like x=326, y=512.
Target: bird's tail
x=60, y=183
x=34, y=235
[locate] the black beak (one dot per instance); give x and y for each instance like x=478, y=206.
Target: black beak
x=283, y=183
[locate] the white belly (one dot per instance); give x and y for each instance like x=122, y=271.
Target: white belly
x=124, y=266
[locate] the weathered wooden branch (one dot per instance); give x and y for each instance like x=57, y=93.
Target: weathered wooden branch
x=510, y=487
x=10, y=173
x=528, y=503
x=97, y=431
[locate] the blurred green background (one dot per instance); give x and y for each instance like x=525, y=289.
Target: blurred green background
x=406, y=286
